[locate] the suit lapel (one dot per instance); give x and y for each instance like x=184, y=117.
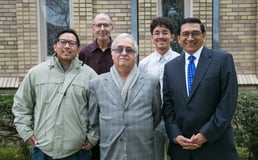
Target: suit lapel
x=180, y=68
x=133, y=92
x=115, y=92
x=112, y=89
x=203, y=65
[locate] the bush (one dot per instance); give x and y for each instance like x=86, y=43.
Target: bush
x=245, y=123
x=8, y=134
x=11, y=153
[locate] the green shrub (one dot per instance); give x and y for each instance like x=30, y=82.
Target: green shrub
x=245, y=123
x=8, y=134
x=11, y=153
x=243, y=153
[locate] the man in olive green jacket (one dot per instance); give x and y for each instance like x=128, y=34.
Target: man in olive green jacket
x=51, y=105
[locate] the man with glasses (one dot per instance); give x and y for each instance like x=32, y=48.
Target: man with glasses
x=51, y=104
x=198, y=111
x=162, y=35
x=125, y=105
x=98, y=54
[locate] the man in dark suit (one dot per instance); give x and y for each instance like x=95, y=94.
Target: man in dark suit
x=198, y=116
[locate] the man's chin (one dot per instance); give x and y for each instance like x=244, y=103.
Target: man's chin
x=68, y=57
x=162, y=48
x=123, y=63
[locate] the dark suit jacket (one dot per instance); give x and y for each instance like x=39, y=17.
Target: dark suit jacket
x=208, y=109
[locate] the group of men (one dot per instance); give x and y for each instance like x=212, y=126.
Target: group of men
x=102, y=105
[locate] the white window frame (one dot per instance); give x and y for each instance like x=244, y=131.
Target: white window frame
x=42, y=29
x=188, y=8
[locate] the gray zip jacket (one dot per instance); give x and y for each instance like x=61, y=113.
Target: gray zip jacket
x=52, y=105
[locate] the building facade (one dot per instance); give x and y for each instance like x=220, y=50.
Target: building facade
x=25, y=28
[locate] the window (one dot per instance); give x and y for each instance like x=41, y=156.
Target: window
x=54, y=15
x=175, y=10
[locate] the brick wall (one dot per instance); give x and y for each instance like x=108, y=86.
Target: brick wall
x=202, y=9
x=8, y=39
x=238, y=35
x=27, y=35
x=18, y=37
x=120, y=11
x=147, y=12
x=238, y=30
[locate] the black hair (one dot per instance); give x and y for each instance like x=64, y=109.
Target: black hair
x=68, y=30
x=161, y=21
x=191, y=20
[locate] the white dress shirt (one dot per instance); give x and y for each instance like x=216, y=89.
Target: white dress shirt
x=154, y=64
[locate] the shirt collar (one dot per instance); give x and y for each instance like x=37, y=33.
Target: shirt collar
x=166, y=56
x=197, y=54
x=95, y=46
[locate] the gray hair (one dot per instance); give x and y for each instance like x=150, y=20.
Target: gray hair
x=103, y=15
x=123, y=36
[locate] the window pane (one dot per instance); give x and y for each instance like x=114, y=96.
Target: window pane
x=57, y=19
x=174, y=9
x=54, y=15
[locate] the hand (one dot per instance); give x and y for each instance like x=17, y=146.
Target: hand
x=185, y=143
x=198, y=139
x=32, y=141
x=87, y=145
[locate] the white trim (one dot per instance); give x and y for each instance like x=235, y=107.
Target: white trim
x=42, y=29
x=188, y=10
x=159, y=8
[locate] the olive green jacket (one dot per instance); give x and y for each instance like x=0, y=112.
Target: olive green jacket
x=52, y=105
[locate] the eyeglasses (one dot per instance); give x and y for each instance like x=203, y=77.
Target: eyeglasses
x=99, y=25
x=63, y=42
x=193, y=34
x=120, y=50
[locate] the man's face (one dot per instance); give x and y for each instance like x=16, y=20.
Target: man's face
x=102, y=27
x=123, y=54
x=191, y=37
x=161, y=37
x=66, y=48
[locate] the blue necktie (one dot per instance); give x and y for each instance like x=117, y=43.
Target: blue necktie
x=190, y=72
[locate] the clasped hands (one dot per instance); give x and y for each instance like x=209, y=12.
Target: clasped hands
x=192, y=143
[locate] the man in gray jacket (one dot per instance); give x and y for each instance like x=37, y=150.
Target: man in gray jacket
x=51, y=104
x=124, y=106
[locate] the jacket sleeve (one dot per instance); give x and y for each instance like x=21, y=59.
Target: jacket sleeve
x=93, y=130
x=156, y=104
x=221, y=118
x=23, y=106
x=168, y=108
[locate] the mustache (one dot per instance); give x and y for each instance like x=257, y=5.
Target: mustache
x=124, y=57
